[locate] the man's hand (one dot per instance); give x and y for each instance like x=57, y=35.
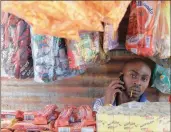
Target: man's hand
x=115, y=87
x=134, y=92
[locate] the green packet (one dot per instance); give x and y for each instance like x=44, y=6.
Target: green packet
x=161, y=79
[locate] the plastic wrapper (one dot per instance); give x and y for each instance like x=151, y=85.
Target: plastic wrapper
x=84, y=20
x=8, y=114
x=50, y=59
x=64, y=24
x=110, y=38
x=134, y=117
x=4, y=20
x=142, y=27
x=42, y=117
x=20, y=131
x=39, y=20
x=19, y=115
x=169, y=99
x=107, y=10
x=83, y=53
x=16, y=57
x=161, y=79
x=162, y=38
x=64, y=116
x=5, y=130
x=43, y=57
x=61, y=67
x=70, y=16
x=75, y=119
x=27, y=115
x=29, y=126
x=86, y=115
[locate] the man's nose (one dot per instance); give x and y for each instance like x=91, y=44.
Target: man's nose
x=137, y=82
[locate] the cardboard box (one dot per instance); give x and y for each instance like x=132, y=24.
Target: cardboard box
x=135, y=117
x=74, y=129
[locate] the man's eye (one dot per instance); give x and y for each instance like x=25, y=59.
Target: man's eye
x=133, y=76
x=144, y=79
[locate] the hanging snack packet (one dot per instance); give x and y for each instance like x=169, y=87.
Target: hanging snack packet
x=43, y=57
x=142, y=27
x=61, y=67
x=161, y=79
x=85, y=52
x=162, y=38
x=16, y=56
x=110, y=38
x=50, y=59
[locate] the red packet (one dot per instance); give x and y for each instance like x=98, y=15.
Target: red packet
x=19, y=115
x=8, y=114
x=170, y=98
x=39, y=119
x=15, y=49
x=76, y=119
x=64, y=116
x=42, y=117
x=142, y=27
x=5, y=130
x=29, y=126
x=28, y=115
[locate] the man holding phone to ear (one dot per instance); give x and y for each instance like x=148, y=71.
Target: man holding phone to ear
x=133, y=81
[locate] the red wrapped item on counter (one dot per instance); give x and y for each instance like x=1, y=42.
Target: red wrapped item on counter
x=75, y=119
x=29, y=126
x=86, y=116
x=43, y=117
x=64, y=116
x=170, y=98
x=8, y=114
x=28, y=115
x=142, y=27
x=5, y=130
x=21, y=131
x=19, y=115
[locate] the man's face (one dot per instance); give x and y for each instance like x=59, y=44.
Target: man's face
x=136, y=75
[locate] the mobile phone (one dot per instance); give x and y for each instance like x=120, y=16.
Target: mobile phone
x=117, y=96
x=121, y=77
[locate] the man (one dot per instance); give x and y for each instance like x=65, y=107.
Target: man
x=133, y=81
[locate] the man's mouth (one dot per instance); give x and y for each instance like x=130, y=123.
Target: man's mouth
x=131, y=91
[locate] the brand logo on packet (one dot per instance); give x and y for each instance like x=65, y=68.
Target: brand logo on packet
x=134, y=40
x=141, y=3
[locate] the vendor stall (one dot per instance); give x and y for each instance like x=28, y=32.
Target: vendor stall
x=58, y=58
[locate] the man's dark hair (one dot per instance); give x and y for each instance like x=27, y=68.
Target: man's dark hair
x=146, y=61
